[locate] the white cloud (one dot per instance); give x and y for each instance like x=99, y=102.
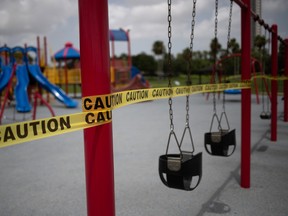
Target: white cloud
x=150, y=21
x=28, y=18
x=22, y=20
x=35, y=15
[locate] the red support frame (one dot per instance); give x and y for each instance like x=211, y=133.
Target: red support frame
x=274, y=83
x=95, y=74
x=38, y=51
x=286, y=83
x=45, y=52
x=129, y=49
x=245, y=94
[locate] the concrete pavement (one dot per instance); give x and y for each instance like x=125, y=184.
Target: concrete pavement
x=47, y=177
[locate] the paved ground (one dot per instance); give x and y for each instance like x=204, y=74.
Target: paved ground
x=46, y=177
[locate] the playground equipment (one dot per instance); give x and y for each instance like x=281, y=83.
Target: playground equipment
x=120, y=68
x=65, y=54
x=124, y=76
x=218, y=72
x=58, y=93
x=22, y=68
x=218, y=142
x=218, y=67
x=181, y=169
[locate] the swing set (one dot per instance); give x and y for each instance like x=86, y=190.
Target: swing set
x=222, y=141
x=265, y=114
x=220, y=73
x=182, y=170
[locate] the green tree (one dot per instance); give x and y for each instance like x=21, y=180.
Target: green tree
x=281, y=58
x=145, y=63
x=259, y=42
x=158, y=49
x=215, y=48
x=233, y=46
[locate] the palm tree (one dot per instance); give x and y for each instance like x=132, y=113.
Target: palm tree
x=233, y=46
x=159, y=50
x=215, y=47
x=259, y=41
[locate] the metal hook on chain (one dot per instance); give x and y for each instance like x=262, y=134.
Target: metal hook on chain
x=187, y=126
x=223, y=114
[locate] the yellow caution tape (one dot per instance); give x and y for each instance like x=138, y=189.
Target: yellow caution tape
x=37, y=129
x=119, y=99
x=97, y=110
x=278, y=78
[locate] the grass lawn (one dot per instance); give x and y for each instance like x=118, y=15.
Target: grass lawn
x=180, y=80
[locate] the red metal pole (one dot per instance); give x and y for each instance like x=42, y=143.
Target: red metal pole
x=46, y=63
x=45, y=51
x=95, y=74
x=6, y=55
x=286, y=83
x=274, y=87
x=129, y=49
x=38, y=51
x=66, y=76
x=245, y=95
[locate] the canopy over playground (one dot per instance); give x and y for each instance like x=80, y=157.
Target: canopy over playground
x=68, y=52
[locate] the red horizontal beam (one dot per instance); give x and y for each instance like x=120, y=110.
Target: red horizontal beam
x=241, y=3
x=258, y=19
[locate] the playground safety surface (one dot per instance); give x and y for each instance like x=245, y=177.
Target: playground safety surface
x=47, y=177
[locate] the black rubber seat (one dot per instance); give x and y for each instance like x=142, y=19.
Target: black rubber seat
x=181, y=171
x=221, y=143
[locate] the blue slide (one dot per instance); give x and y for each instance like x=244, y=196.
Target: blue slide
x=56, y=91
x=20, y=90
x=5, y=75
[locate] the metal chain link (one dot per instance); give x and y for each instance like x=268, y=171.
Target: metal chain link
x=268, y=53
x=170, y=102
x=263, y=52
x=229, y=25
x=190, y=59
x=228, y=41
x=216, y=21
x=215, y=57
x=191, y=42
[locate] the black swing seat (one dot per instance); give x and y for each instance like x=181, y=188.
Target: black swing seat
x=220, y=142
x=180, y=170
x=265, y=115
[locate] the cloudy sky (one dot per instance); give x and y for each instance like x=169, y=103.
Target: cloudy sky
x=22, y=20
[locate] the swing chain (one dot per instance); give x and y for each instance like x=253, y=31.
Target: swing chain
x=216, y=24
x=214, y=102
x=215, y=57
x=170, y=65
x=228, y=45
x=268, y=53
x=229, y=26
x=263, y=68
x=191, y=43
x=190, y=60
x=192, y=26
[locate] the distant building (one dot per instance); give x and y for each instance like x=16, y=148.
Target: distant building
x=256, y=6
